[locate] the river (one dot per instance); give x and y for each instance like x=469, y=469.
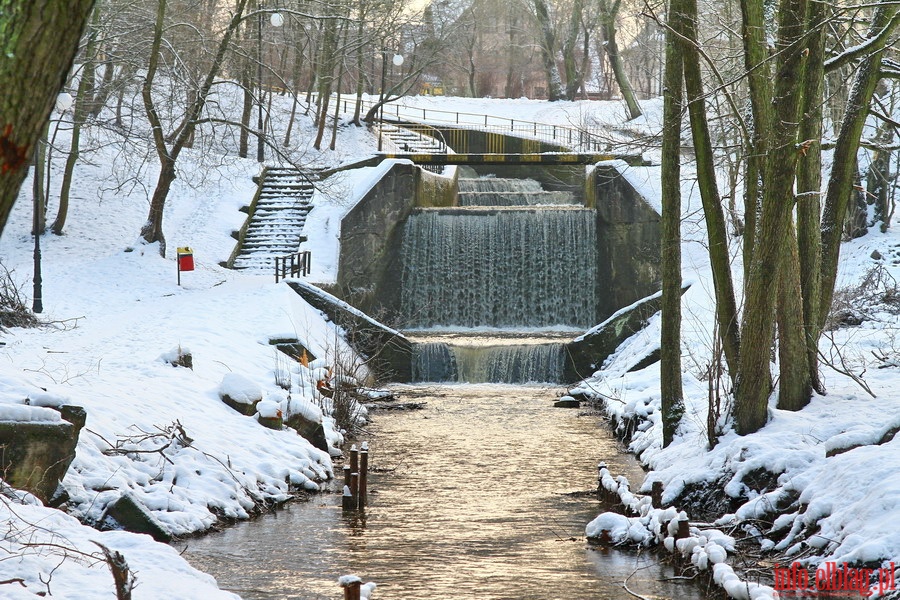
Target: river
x=483, y=494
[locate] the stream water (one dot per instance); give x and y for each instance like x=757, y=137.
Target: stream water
x=483, y=494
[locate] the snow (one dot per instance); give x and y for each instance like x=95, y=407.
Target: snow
x=240, y=389
x=119, y=317
x=16, y=412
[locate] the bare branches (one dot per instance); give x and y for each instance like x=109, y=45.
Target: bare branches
x=122, y=575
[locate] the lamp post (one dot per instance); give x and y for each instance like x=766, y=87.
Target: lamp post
x=276, y=20
x=396, y=61
x=64, y=102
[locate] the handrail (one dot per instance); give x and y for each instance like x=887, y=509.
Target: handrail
x=563, y=135
x=292, y=265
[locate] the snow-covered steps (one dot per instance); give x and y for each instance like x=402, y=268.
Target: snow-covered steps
x=401, y=139
x=277, y=218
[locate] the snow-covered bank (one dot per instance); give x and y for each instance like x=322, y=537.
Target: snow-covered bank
x=159, y=433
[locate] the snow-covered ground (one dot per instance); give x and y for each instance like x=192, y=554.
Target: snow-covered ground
x=116, y=315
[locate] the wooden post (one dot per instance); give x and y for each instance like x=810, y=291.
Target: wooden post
x=347, y=502
x=347, y=472
x=351, y=589
x=354, y=459
x=684, y=529
x=601, y=491
x=363, y=475
x=656, y=493
x=354, y=489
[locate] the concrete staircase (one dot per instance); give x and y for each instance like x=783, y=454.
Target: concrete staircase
x=276, y=220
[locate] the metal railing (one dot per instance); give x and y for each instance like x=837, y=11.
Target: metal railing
x=292, y=265
x=583, y=139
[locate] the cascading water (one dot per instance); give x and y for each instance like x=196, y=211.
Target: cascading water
x=502, y=268
x=495, y=191
x=517, y=264
x=493, y=363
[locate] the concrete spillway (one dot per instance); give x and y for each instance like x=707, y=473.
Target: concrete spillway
x=501, y=268
x=488, y=358
x=496, y=191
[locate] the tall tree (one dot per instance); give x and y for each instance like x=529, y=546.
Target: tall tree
x=38, y=41
x=548, y=50
x=671, y=390
x=152, y=231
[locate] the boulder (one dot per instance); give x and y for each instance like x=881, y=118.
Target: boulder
x=130, y=514
x=37, y=453
x=311, y=431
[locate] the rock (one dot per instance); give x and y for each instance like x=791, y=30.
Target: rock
x=876, y=255
x=131, y=514
x=244, y=409
x=586, y=353
x=311, y=431
x=76, y=415
x=240, y=393
x=567, y=402
x=652, y=358
x=275, y=423
x=36, y=455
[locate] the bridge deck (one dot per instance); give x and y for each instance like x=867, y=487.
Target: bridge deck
x=547, y=158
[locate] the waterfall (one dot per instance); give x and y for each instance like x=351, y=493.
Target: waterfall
x=526, y=363
x=495, y=191
x=501, y=268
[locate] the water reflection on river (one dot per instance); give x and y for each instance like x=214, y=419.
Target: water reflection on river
x=473, y=497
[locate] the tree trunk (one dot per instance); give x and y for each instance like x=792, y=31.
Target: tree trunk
x=608, y=24
x=38, y=40
x=756, y=64
x=841, y=179
x=83, y=104
x=809, y=187
x=671, y=388
x=717, y=231
x=571, y=66
x=325, y=77
x=794, y=382
x=152, y=230
x=753, y=383
x=548, y=51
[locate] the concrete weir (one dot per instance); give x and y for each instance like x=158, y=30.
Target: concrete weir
x=470, y=256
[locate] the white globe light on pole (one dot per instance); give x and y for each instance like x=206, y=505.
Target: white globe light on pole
x=397, y=60
x=277, y=19
x=64, y=102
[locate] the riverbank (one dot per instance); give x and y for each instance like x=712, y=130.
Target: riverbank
x=815, y=488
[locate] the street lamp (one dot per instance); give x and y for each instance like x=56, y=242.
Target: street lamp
x=276, y=20
x=396, y=61
x=64, y=103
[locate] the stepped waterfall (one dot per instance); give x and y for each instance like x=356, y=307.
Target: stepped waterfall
x=504, y=263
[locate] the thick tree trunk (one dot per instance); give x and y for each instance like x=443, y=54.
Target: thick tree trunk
x=753, y=383
x=794, y=382
x=38, y=40
x=671, y=389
